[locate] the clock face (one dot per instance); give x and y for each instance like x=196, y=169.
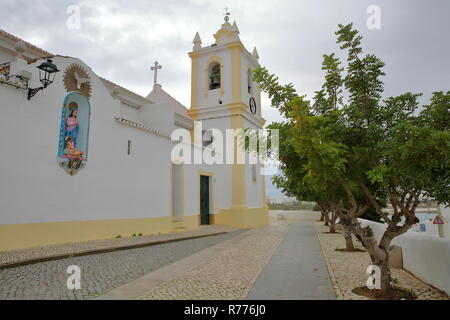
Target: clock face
x=252, y=105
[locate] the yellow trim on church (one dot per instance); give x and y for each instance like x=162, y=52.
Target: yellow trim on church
x=194, y=81
x=18, y=236
x=236, y=75
x=243, y=217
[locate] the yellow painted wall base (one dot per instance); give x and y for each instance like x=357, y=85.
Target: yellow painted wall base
x=19, y=236
x=188, y=223
x=243, y=217
x=191, y=222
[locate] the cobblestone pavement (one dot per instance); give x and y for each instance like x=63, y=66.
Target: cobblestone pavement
x=230, y=273
x=348, y=269
x=99, y=272
x=8, y=257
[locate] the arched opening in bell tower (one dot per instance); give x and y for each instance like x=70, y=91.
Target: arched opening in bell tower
x=214, y=76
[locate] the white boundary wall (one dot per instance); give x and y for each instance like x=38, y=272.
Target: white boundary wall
x=427, y=257
x=445, y=212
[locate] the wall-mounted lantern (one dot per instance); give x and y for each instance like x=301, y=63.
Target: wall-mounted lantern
x=47, y=73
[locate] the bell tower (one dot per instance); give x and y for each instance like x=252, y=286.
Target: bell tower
x=222, y=77
x=224, y=96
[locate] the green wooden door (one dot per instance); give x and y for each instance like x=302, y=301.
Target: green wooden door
x=204, y=199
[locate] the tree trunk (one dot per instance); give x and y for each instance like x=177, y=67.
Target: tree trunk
x=326, y=218
x=380, y=258
x=385, y=280
x=348, y=239
x=378, y=254
x=405, y=205
x=332, y=228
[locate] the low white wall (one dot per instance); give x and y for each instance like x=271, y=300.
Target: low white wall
x=427, y=257
x=445, y=212
x=295, y=215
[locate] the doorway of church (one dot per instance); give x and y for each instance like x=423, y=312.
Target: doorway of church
x=204, y=199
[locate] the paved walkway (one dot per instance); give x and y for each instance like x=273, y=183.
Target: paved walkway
x=100, y=273
x=297, y=270
x=282, y=261
x=65, y=250
x=226, y=271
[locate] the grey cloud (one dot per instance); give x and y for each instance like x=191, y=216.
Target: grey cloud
x=121, y=39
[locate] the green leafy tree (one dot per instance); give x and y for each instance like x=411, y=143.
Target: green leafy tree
x=359, y=153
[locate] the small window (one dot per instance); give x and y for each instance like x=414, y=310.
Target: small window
x=129, y=147
x=249, y=81
x=207, y=138
x=214, y=76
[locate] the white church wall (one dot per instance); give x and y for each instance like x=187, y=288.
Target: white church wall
x=113, y=185
x=254, y=191
x=191, y=189
x=158, y=116
x=221, y=182
x=127, y=111
x=223, y=172
x=221, y=124
x=177, y=191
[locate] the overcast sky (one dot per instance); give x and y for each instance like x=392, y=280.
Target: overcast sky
x=120, y=39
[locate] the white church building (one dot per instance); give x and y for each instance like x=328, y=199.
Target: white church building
x=83, y=158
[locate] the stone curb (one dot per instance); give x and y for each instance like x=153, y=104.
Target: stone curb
x=337, y=288
x=102, y=250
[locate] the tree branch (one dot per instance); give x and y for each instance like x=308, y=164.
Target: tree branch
x=408, y=203
x=350, y=196
x=374, y=203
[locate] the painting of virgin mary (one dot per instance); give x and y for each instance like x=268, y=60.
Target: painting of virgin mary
x=72, y=125
x=74, y=132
